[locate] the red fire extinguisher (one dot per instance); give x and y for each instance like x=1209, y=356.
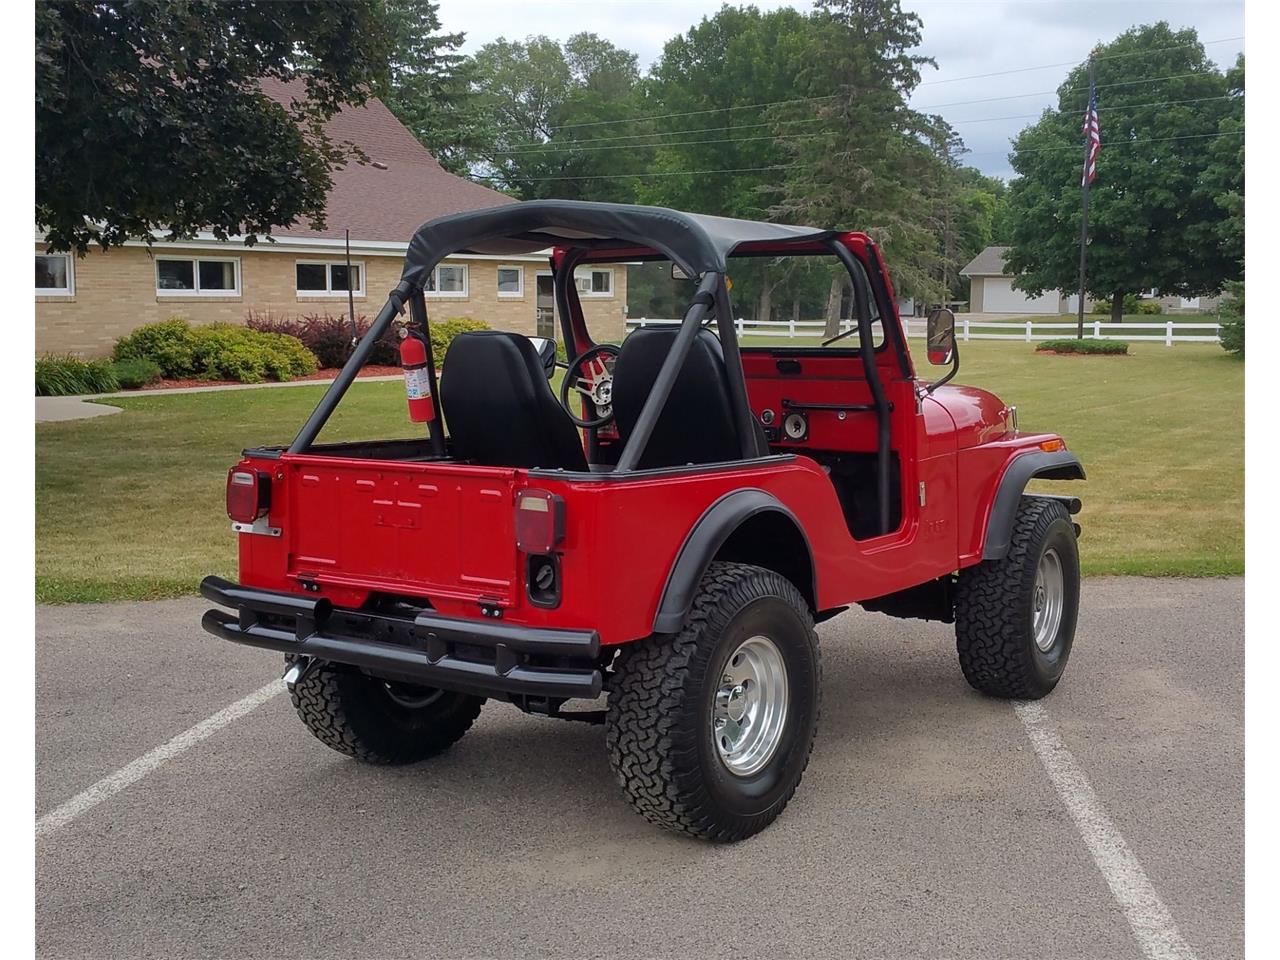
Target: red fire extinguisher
x=417, y=378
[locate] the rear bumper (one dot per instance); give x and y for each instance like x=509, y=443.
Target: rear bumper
x=487, y=658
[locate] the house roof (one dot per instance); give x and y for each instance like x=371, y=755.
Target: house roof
x=989, y=263
x=383, y=204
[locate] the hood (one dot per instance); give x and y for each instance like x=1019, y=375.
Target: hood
x=979, y=416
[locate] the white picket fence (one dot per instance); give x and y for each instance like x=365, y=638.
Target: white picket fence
x=1168, y=331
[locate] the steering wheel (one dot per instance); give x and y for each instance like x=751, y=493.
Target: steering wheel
x=591, y=374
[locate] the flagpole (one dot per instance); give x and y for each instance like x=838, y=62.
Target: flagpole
x=1084, y=212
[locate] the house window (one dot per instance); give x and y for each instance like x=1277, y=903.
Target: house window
x=511, y=281
x=53, y=275
x=197, y=277
x=448, y=280
x=593, y=282
x=319, y=278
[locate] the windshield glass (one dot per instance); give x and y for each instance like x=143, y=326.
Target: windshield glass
x=795, y=301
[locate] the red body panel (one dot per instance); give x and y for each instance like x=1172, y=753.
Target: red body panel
x=445, y=531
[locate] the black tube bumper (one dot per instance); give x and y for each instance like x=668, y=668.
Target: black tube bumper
x=482, y=657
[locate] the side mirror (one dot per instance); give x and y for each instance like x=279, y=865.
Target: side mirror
x=546, y=353
x=941, y=336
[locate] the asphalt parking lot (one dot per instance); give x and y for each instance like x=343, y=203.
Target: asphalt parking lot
x=931, y=821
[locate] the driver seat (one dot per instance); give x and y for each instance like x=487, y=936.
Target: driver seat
x=697, y=423
x=500, y=408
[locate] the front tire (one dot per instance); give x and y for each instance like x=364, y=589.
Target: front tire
x=379, y=722
x=1016, y=617
x=709, y=731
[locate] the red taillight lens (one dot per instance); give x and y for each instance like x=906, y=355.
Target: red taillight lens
x=248, y=494
x=539, y=521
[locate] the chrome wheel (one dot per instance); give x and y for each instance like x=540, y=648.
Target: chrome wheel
x=750, y=709
x=1047, y=600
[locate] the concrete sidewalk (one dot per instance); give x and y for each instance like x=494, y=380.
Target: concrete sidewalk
x=58, y=409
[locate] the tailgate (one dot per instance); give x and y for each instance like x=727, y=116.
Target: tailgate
x=443, y=530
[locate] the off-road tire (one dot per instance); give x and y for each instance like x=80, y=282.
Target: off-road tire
x=994, y=633
x=658, y=724
x=354, y=714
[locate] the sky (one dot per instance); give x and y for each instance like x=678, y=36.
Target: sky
x=965, y=37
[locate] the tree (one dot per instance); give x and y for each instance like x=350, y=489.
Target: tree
x=966, y=205
x=427, y=86
x=1155, y=220
x=708, y=86
x=1223, y=180
x=541, y=105
x=867, y=159
x=149, y=116
x=1231, y=316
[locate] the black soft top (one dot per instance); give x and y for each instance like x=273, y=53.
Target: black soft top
x=693, y=241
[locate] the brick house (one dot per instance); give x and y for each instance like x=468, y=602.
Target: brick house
x=84, y=304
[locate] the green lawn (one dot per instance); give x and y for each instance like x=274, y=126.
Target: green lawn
x=131, y=506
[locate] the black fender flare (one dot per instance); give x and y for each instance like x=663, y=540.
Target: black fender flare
x=717, y=523
x=1058, y=465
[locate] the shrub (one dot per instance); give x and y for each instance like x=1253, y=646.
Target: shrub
x=1083, y=346
x=443, y=332
x=327, y=336
x=227, y=351
x=169, y=344
x=1231, y=316
x=1132, y=305
x=216, y=351
x=131, y=374
x=62, y=376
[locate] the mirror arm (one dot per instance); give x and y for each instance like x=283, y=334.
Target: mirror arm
x=955, y=368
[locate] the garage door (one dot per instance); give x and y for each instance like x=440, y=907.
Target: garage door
x=998, y=296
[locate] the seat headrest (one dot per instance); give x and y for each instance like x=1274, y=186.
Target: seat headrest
x=500, y=408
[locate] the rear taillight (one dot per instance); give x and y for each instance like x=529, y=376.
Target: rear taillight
x=539, y=521
x=248, y=494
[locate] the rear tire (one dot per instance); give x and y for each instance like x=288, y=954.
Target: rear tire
x=1016, y=617
x=709, y=731
x=379, y=722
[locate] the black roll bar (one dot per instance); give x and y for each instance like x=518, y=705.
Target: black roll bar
x=657, y=399
x=748, y=436
x=419, y=327
x=324, y=409
x=561, y=280
x=867, y=348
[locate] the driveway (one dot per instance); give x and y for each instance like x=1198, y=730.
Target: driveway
x=184, y=812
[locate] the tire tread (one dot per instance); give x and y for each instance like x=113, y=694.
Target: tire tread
x=334, y=704
x=991, y=602
x=652, y=751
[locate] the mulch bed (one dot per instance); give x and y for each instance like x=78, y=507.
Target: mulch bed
x=320, y=375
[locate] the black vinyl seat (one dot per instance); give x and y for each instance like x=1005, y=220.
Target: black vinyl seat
x=697, y=423
x=500, y=408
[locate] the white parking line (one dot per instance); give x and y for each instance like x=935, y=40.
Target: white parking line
x=1148, y=917
x=145, y=764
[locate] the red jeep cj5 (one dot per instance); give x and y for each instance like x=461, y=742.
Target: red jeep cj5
x=666, y=533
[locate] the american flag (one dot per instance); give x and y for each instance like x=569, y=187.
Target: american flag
x=1090, y=130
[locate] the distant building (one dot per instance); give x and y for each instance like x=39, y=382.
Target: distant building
x=84, y=304
x=991, y=288
x=991, y=291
